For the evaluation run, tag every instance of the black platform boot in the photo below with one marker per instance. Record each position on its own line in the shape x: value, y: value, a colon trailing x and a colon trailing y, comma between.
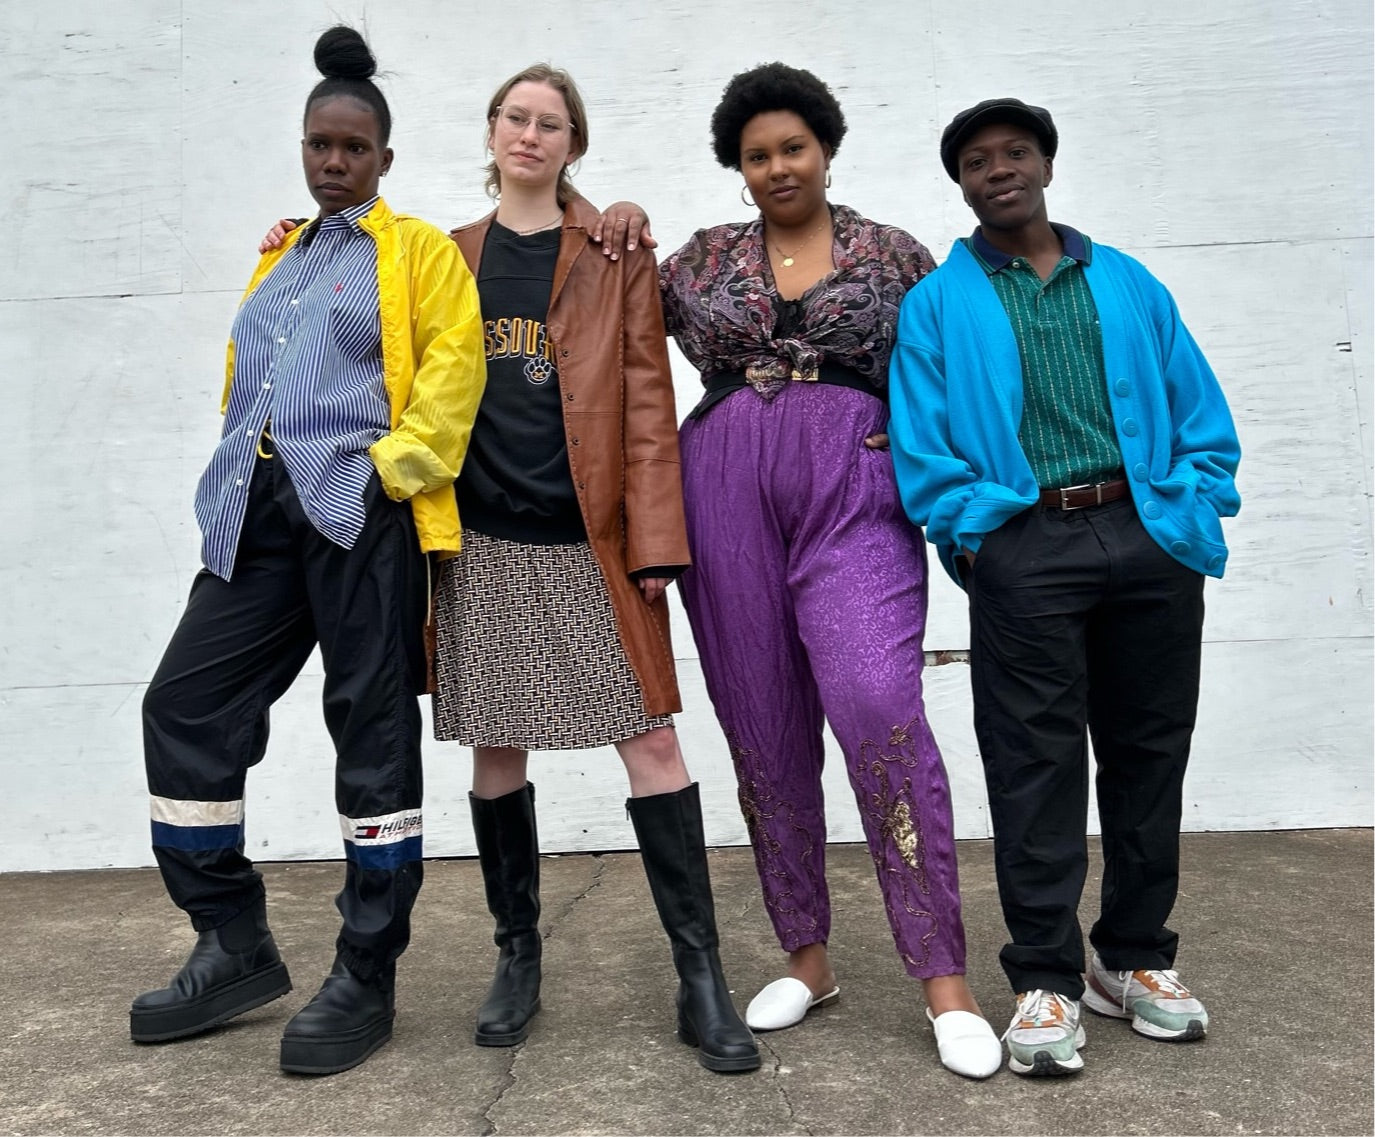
x: 508, y: 851
x: 232, y: 969
x: 673, y: 847
x: 349, y: 1018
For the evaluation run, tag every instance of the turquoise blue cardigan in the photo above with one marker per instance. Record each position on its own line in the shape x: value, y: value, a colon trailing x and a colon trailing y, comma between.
x: 955, y: 381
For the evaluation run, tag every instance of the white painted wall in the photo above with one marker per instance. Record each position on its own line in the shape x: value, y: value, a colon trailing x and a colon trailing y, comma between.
x: 150, y: 142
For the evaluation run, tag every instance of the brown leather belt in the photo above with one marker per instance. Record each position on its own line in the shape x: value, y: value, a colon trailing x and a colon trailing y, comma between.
x: 1081, y: 497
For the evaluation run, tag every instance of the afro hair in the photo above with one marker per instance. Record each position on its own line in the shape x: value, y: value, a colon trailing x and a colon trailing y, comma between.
x: 774, y: 87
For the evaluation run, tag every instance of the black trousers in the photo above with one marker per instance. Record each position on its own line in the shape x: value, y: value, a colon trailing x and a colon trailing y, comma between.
x: 239, y: 646
x: 1078, y: 618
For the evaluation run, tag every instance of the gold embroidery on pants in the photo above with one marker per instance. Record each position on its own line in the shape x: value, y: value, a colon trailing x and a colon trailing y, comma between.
x: 898, y: 822
x: 761, y: 810
x: 892, y: 817
x: 898, y: 825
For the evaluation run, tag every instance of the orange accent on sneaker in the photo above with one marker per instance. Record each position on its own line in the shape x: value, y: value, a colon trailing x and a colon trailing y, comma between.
x: 1043, y: 1012
x: 1162, y: 983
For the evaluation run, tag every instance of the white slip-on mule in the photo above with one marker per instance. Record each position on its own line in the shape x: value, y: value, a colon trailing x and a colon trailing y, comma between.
x: 967, y: 1044
x: 784, y: 1003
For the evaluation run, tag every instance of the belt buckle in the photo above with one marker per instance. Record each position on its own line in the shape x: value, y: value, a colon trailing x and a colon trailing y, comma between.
x: 1065, y: 491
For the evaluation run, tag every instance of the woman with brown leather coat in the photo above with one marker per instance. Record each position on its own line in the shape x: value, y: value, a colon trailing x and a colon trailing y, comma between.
x: 552, y: 621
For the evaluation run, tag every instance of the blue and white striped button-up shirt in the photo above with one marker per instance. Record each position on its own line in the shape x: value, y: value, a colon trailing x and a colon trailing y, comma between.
x: 307, y: 358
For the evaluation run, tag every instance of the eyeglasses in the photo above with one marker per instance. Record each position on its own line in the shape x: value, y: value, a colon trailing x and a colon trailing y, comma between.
x: 518, y: 118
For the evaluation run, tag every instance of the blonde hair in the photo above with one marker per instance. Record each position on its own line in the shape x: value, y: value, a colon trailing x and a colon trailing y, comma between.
x: 562, y: 82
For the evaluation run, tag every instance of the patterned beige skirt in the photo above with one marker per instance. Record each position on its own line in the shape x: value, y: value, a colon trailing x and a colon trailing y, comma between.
x: 527, y: 653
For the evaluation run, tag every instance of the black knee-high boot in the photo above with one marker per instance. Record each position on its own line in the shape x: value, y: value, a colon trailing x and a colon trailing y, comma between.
x: 673, y: 847
x: 508, y: 851
x: 232, y: 969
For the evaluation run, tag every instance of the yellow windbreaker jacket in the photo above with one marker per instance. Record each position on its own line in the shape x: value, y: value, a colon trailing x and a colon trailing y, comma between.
x: 433, y: 365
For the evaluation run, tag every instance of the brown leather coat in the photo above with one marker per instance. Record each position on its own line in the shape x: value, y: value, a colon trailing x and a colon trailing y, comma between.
x: 618, y: 416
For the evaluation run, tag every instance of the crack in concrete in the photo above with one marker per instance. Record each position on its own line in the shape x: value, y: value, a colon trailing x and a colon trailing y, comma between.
x: 778, y: 1084
x: 509, y: 1077
x: 508, y: 1080
x: 563, y: 913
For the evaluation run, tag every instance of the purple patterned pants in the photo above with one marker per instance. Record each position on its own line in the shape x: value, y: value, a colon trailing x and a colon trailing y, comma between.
x: 808, y: 598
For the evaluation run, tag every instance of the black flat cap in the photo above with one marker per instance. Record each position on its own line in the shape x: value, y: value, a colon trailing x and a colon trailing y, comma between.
x: 968, y: 122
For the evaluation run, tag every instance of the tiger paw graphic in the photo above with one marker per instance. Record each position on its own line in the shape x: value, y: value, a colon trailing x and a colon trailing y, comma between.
x: 539, y: 370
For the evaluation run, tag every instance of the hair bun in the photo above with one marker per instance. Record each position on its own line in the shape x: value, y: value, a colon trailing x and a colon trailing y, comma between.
x: 341, y: 53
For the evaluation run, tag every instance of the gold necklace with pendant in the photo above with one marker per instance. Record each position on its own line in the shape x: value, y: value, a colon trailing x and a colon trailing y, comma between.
x: 789, y: 258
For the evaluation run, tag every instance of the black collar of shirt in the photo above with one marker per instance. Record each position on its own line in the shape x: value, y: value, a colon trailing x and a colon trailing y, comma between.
x: 1076, y: 246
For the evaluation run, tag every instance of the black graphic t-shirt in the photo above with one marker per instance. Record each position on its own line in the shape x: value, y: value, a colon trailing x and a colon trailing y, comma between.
x: 516, y: 483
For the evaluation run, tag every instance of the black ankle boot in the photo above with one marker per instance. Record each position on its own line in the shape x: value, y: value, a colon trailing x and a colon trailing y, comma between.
x: 672, y: 845
x: 232, y: 969
x: 348, y: 1019
x: 508, y: 851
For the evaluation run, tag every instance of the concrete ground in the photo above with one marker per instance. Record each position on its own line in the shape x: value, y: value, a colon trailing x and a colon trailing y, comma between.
x: 1275, y: 927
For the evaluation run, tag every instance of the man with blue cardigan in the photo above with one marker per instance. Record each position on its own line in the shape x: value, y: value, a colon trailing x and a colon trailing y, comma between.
x: 1061, y: 437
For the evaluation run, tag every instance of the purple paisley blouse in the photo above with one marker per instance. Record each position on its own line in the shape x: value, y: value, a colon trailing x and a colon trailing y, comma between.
x: 721, y: 303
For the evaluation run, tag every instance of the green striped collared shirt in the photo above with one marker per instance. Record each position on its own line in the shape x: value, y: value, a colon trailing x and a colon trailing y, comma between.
x: 1066, y: 431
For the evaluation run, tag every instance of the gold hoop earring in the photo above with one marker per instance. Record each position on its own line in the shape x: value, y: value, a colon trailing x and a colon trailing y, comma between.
x: 828, y: 177
x: 748, y: 200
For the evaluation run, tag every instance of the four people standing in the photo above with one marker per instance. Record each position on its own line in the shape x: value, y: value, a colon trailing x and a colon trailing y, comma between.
x: 807, y: 591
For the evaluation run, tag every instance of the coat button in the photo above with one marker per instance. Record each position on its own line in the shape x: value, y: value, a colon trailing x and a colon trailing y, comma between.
x: 1140, y: 472
x: 1215, y: 561
x: 1151, y: 509
x: 1129, y: 427
x: 1180, y: 548
x: 1122, y: 387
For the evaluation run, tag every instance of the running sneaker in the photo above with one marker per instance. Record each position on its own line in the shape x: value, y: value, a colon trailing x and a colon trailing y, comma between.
x: 1158, y: 1004
x: 1044, y: 1037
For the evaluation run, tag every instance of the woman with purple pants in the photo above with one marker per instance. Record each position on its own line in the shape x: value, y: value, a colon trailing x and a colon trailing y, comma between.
x: 807, y: 596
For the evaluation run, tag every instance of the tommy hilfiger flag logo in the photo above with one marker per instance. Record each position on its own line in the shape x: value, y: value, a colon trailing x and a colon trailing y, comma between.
x: 383, y: 830
x: 386, y: 843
